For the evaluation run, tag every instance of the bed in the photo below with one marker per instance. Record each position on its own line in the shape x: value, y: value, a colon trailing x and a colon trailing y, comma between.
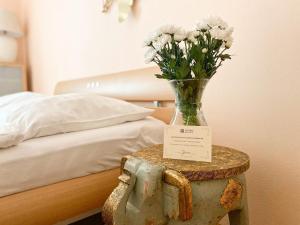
x: 60, y: 200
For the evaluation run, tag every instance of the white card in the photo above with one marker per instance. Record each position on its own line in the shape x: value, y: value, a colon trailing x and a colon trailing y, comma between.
x: 188, y: 143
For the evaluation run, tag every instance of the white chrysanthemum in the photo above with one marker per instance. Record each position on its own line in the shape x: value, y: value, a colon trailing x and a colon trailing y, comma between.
x: 168, y: 29
x: 229, y: 32
x: 161, y: 41
x: 180, y: 35
x: 192, y: 36
x: 202, y: 26
x: 214, y: 21
x: 229, y: 42
x: 193, y: 40
x: 204, y: 50
x: 165, y: 38
x: 151, y: 37
x: 162, y: 31
x: 194, y: 33
x: 157, y: 46
x: 147, y: 42
x: 217, y: 33
x: 150, y: 55
x: 182, y: 46
x: 221, y: 34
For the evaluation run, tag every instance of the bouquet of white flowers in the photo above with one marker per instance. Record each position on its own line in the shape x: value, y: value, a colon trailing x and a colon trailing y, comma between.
x: 192, y: 54
x: 189, y: 59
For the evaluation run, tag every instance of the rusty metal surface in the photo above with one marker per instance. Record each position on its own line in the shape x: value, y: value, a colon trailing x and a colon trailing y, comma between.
x: 176, y: 179
x: 231, y: 195
x: 111, y: 204
x: 226, y: 162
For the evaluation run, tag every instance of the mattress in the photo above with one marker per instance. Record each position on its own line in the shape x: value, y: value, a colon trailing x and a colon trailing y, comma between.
x: 46, y: 160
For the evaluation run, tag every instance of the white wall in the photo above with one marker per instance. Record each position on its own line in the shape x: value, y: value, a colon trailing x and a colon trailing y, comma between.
x: 253, y: 102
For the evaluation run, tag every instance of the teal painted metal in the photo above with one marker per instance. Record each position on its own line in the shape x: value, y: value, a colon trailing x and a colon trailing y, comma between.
x: 144, y: 198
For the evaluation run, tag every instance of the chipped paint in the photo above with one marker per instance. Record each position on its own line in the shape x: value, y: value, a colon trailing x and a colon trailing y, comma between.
x: 231, y: 195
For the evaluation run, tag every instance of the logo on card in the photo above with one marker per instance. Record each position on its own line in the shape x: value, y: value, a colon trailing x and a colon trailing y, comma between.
x: 186, y: 131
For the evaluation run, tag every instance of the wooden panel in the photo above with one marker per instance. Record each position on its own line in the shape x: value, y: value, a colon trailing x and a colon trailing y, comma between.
x: 163, y: 113
x: 133, y: 85
x: 53, y: 203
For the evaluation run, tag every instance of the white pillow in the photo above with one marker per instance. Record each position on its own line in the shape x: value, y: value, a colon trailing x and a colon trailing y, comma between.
x: 8, y: 103
x: 17, y: 98
x: 66, y: 113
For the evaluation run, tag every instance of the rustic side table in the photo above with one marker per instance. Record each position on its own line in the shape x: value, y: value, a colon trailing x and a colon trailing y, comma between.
x: 157, y: 191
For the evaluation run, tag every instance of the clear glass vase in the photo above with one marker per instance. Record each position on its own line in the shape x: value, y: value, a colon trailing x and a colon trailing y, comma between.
x: 188, y: 94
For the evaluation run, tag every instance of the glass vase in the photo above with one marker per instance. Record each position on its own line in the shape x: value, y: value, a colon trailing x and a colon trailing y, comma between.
x: 188, y: 95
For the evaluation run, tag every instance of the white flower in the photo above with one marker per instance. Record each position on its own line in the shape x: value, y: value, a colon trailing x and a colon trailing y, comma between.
x: 165, y: 38
x: 229, y: 42
x: 173, y: 56
x: 202, y: 26
x: 162, y: 31
x: 161, y: 41
x: 193, y: 40
x: 157, y: 45
x: 167, y: 29
x: 192, y: 36
x: 182, y: 46
x: 180, y: 35
x: 217, y: 33
x: 229, y: 32
x: 213, y: 24
x: 221, y: 34
x: 151, y: 37
x: 214, y: 21
x: 204, y: 50
x: 194, y: 33
x: 150, y: 55
x: 147, y: 42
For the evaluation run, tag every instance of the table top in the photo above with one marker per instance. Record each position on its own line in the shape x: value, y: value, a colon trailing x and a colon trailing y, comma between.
x: 226, y: 162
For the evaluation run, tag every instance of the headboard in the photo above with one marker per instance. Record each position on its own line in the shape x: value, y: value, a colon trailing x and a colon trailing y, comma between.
x: 138, y: 86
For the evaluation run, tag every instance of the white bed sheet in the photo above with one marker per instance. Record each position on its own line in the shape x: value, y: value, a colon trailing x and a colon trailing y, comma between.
x: 42, y: 161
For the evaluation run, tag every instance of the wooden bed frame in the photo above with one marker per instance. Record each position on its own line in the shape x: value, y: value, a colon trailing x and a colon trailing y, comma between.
x: 57, y: 202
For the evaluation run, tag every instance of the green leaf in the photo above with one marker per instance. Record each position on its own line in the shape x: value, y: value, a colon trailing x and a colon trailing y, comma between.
x: 199, y: 71
x: 216, y: 44
x: 183, y: 70
x: 225, y: 56
x: 159, y: 76
x: 196, y: 54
